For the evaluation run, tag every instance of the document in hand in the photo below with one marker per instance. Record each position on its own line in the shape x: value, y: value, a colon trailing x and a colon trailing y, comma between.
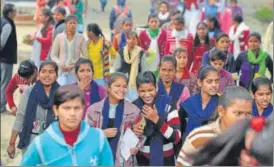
x: 129, y: 141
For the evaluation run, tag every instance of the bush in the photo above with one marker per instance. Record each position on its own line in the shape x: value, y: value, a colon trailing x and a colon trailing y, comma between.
x: 264, y: 14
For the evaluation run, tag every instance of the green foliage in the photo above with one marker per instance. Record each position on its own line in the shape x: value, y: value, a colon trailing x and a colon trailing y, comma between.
x: 264, y: 14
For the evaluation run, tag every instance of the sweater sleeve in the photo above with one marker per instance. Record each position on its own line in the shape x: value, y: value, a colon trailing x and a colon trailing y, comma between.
x: 170, y: 128
x: 167, y: 46
x: 106, y: 158
x: 117, y: 62
x: 55, y: 50
x: 115, y: 43
x: 84, y: 49
x: 231, y: 64
x: 48, y: 37
x: 6, y: 31
x: 183, y: 119
x: 31, y: 156
x: 20, y: 115
x: 112, y: 52
x: 12, y: 86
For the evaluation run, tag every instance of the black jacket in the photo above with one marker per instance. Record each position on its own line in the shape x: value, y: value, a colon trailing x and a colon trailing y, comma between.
x: 9, y: 53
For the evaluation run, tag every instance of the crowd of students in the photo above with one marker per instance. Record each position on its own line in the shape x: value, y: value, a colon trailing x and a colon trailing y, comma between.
x: 182, y: 80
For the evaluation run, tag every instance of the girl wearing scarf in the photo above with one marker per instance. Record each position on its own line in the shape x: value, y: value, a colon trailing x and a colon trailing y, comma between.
x: 163, y: 14
x: 202, y: 44
x: 179, y: 37
x: 234, y: 105
x: 42, y: 38
x: 35, y: 113
x: 254, y: 62
x: 222, y: 43
x: 93, y: 92
x: 161, y: 124
x: 238, y: 35
x: 261, y: 88
x: 217, y: 60
x: 183, y: 75
x: 120, y: 40
x: 166, y: 86
x: 67, y: 48
x: 130, y: 61
x: 198, y: 109
x: 114, y: 115
x: 99, y: 50
x: 153, y: 42
x: 66, y: 142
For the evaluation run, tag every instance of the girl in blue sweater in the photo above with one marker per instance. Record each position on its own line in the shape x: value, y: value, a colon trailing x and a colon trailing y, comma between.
x: 69, y: 141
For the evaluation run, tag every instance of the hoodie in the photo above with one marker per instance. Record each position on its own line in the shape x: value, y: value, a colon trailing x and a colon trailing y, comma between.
x: 51, y: 149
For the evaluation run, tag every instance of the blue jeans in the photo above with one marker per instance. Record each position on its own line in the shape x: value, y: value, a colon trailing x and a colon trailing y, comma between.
x: 103, y: 4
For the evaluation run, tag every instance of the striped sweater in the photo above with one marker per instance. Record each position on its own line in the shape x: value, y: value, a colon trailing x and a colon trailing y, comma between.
x: 196, y: 140
x: 170, y: 130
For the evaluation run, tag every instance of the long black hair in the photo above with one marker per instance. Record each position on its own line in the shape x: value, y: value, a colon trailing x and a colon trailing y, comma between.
x: 215, y: 21
x: 47, y: 13
x: 95, y: 29
x: 197, y: 41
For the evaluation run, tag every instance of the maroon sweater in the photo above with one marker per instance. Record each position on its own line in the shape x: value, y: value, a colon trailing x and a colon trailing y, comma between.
x: 70, y: 137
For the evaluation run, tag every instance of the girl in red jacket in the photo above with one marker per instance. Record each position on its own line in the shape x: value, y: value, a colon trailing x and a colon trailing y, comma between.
x: 152, y: 40
x: 26, y: 76
x: 202, y: 44
x: 43, y: 37
x: 179, y: 37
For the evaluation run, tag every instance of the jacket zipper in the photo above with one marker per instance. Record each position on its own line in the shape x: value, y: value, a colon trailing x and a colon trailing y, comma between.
x: 73, y: 157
